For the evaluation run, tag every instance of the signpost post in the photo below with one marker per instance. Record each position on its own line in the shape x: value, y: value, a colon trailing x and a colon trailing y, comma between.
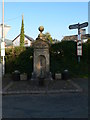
x: 79, y: 42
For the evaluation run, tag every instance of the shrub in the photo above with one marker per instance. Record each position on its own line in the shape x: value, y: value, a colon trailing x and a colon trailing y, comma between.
x: 62, y: 56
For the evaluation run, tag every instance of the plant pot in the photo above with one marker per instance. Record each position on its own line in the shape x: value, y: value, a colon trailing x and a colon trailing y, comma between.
x: 23, y: 76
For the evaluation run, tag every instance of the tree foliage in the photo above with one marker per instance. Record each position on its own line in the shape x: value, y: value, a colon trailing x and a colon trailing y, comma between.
x: 22, y: 34
x: 48, y: 37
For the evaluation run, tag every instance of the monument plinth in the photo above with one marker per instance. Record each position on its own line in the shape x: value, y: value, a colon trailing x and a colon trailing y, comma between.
x: 41, y: 61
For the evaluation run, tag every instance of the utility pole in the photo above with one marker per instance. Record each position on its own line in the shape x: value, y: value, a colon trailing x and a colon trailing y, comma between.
x: 3, y: 35
x: 4, y: 29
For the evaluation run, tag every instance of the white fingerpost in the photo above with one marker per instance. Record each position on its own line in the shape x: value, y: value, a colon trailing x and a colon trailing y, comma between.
x: 79, y: 41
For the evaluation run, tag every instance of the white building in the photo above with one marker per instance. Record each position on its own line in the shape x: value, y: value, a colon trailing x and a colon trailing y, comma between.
x: 83, y: 31
x: 84, y: 38
x: 27, y: 41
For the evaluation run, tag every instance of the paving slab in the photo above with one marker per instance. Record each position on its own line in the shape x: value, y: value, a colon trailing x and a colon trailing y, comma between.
x: 26, y: 87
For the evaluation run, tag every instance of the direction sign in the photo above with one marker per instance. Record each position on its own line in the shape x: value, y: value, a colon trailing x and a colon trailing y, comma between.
x: 78, y: 26
x: 79, y: 52
x: 84, y: 25
x: 75, y: 26
x: 79, y: 48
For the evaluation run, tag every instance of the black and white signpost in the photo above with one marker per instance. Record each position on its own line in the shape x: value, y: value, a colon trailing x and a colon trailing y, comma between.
x: 79, y: 42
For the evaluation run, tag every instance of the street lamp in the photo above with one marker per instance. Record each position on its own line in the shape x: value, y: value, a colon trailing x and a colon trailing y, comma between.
x: 6, y: 29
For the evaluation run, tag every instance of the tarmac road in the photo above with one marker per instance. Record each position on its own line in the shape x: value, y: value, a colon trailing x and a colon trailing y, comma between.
x: 63, y: 105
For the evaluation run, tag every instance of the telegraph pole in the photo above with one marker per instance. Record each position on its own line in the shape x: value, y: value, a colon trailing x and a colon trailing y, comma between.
x: 4, y: 31
x: 3, y: 35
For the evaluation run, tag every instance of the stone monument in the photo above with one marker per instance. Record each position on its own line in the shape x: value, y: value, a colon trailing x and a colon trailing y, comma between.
x: 41, y: 61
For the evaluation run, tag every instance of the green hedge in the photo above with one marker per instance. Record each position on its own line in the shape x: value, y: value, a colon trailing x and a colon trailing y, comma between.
x: 62, y: 56
x: 19, y: 58
x: 67, y: 59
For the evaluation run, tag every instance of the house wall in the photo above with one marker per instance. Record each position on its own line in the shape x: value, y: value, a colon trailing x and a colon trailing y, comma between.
x: 16, y: 42
x: 26, y: 41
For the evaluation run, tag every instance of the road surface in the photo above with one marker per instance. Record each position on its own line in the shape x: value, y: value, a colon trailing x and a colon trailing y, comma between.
x: 63, y: 105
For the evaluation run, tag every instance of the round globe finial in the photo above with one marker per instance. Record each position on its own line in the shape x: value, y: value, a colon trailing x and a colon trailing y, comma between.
x: 41, y: 29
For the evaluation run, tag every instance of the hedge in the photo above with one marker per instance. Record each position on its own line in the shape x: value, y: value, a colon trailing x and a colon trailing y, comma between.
x: 62, y: 56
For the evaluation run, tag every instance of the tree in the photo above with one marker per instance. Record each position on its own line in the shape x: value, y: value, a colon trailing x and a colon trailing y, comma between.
x: 48, y: 37
x: 88, y: 41
x: 22, y: 34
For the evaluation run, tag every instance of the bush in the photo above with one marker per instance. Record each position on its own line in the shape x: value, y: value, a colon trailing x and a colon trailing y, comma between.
x: 62, y: 56
x: 19, y: 59
x: 67, y: 58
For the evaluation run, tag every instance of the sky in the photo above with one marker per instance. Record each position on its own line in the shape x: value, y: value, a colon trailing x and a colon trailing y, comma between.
x: 54, y: 16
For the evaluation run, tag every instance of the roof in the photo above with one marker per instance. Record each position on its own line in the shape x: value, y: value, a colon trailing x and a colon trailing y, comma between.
x: 8, y: 42
x: 29, y: 38
x: 74, y: 37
